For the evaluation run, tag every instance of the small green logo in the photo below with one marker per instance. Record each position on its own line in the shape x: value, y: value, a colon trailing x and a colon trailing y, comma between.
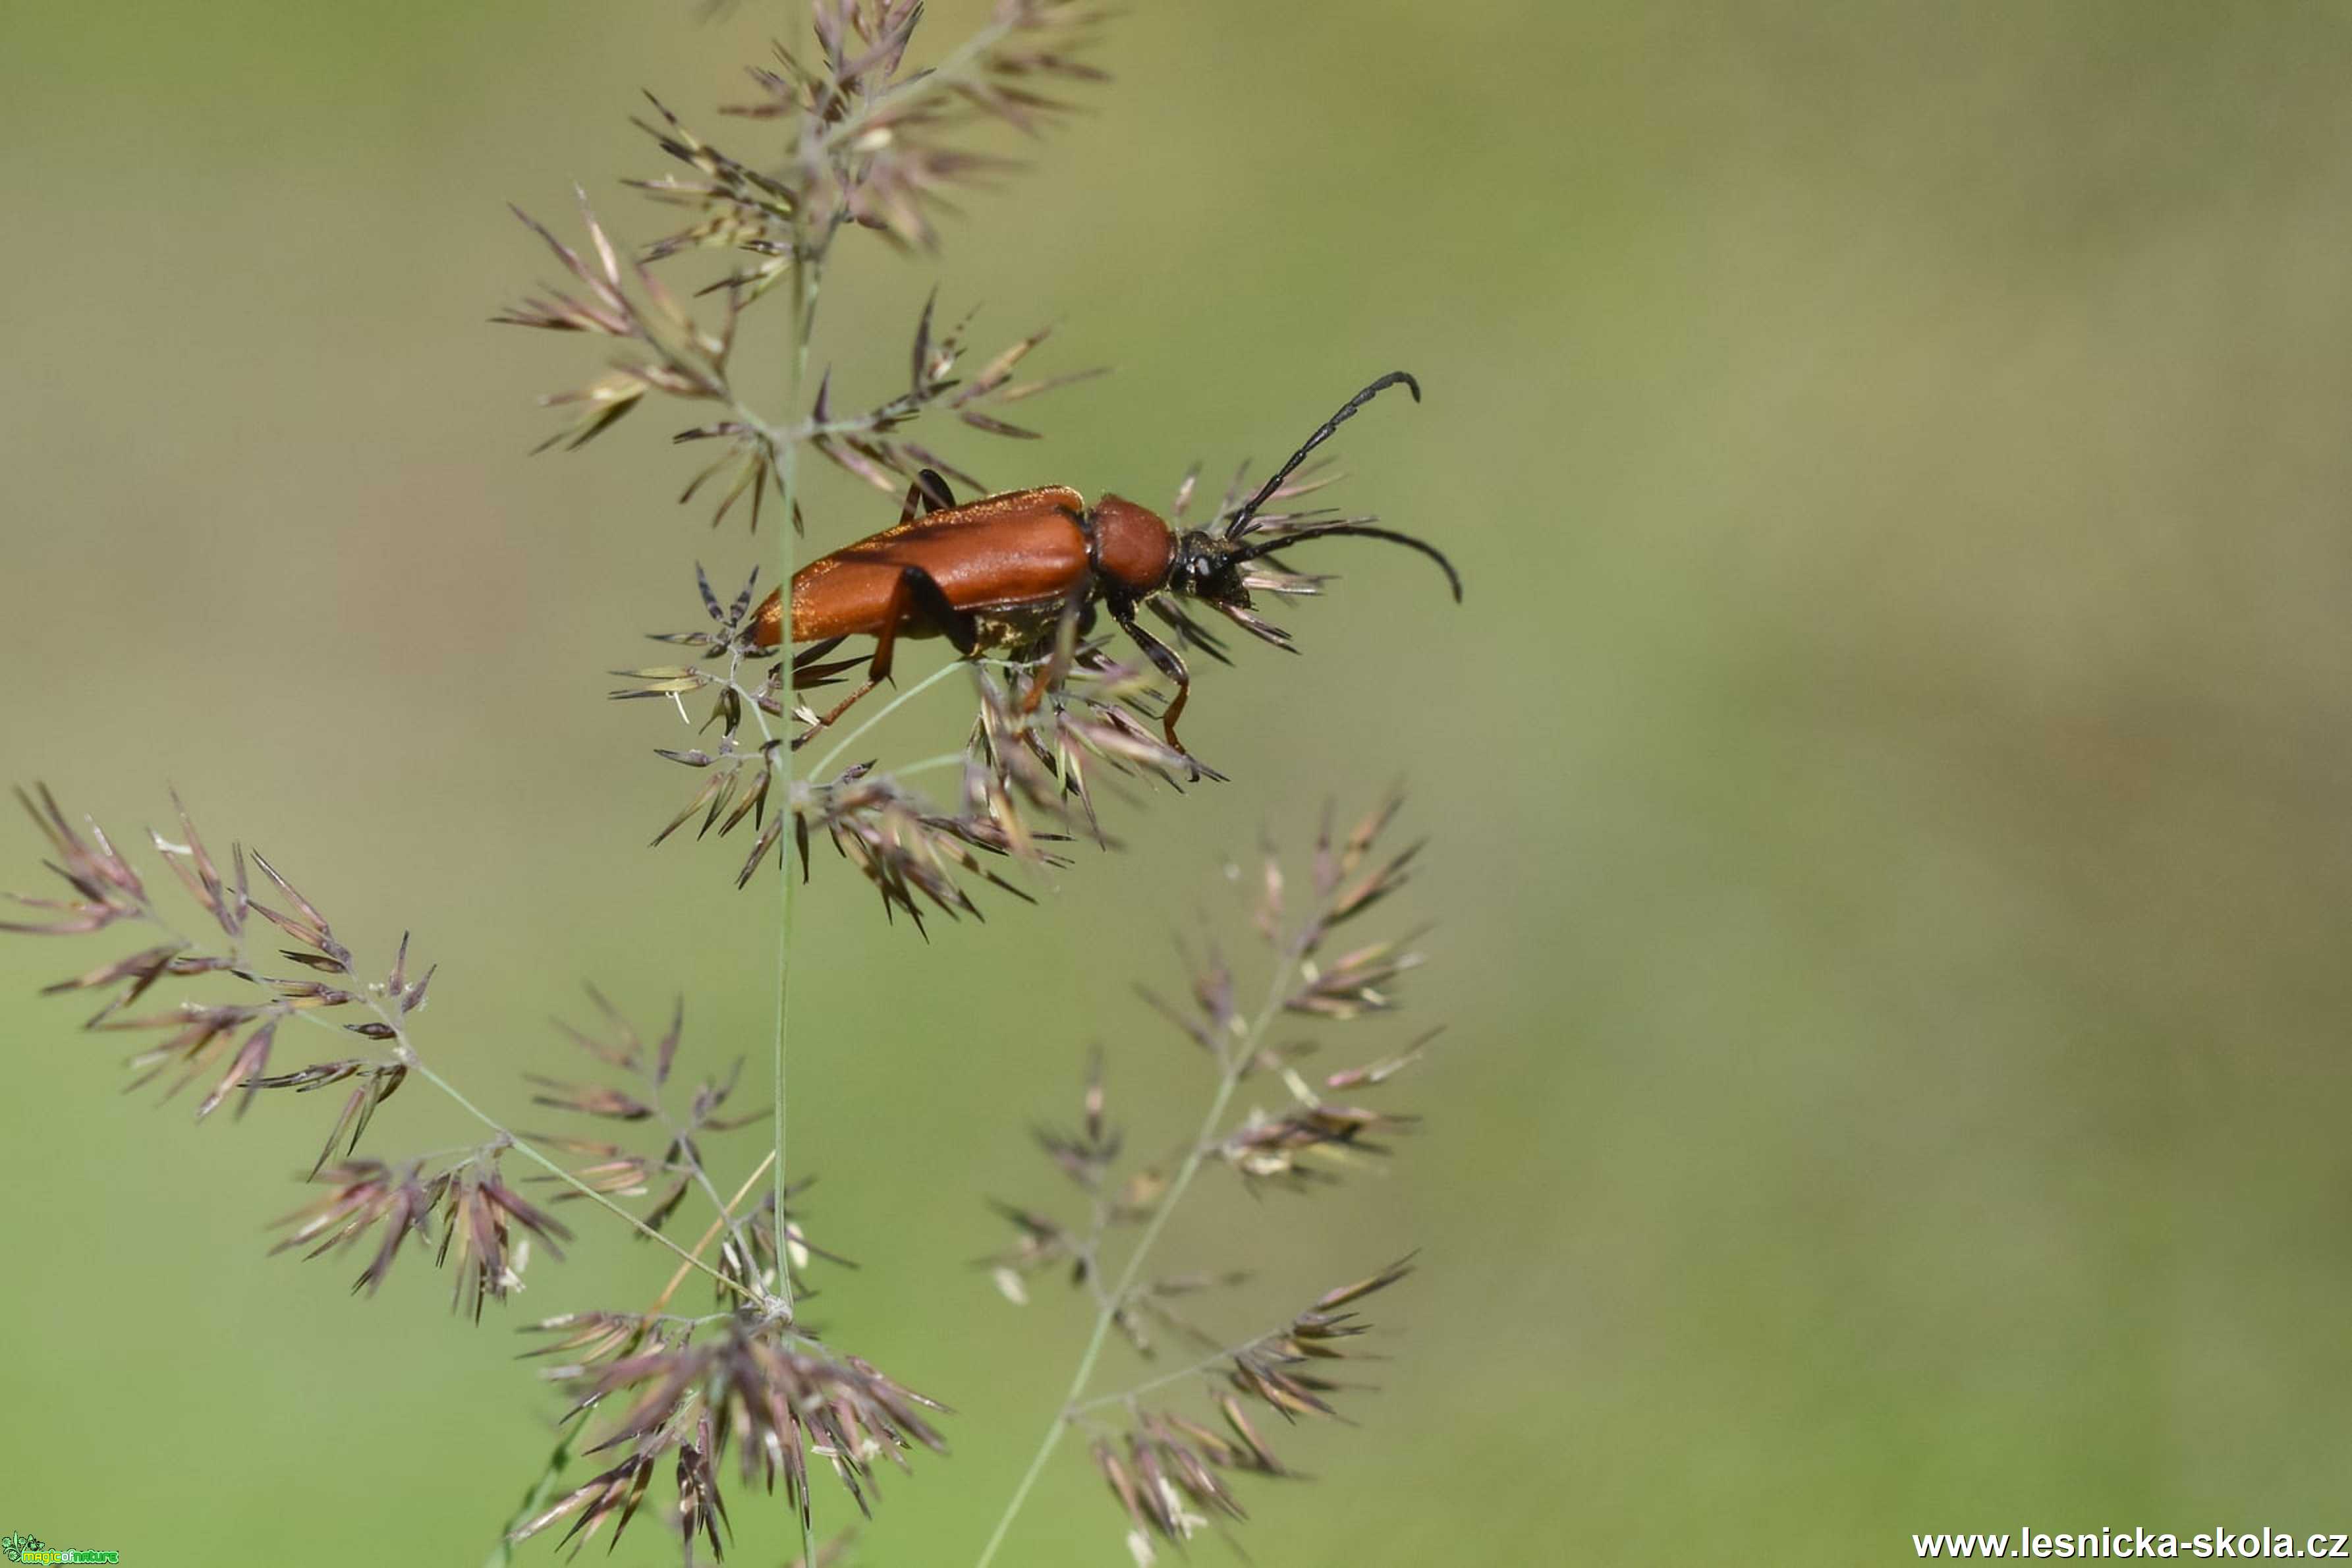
x: 33, y: 1549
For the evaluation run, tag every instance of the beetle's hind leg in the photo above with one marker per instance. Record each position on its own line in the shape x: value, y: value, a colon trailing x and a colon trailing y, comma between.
x: 824, y: 720
x: 928, y: 493
x: 917, y: 599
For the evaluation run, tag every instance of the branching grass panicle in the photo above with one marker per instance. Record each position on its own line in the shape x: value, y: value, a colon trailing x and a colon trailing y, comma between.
x: 241, y: 990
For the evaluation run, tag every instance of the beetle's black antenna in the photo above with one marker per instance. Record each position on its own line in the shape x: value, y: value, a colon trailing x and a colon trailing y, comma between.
x: 1241, y: 521
x: 1251, y: 552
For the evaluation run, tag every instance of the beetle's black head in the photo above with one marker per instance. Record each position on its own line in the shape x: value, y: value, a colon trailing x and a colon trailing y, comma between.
x: 1216, y: 567
x: 1220, y: 570
x: 1208, y: 566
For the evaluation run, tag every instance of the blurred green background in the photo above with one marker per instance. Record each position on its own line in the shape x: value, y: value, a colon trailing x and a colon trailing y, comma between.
x: 1888, y: 781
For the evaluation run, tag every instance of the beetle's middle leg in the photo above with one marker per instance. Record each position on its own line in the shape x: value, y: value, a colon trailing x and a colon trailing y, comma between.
x: 1077, y: 616
x: 1070, y: 626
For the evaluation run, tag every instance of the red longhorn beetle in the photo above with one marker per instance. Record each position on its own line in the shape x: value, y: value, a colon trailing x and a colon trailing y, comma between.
x: 1004, y: 574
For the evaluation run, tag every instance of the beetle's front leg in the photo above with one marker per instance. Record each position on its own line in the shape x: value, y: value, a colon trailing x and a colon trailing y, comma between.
x: 1170, y: 663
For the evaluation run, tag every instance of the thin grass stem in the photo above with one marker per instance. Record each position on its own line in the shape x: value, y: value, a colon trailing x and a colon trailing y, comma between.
x: 807, y: 266
x: 825, y: 764
x: 1233, y: 1065
x: 532, y: 1153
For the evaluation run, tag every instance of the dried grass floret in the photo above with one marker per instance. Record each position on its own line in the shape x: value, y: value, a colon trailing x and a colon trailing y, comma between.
x: 1166, y: 1473
x: 476, y: 1211
x: 231, y: 1042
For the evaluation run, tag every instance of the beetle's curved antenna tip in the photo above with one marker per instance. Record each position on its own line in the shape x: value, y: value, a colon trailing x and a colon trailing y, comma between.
x: 1240, y: 523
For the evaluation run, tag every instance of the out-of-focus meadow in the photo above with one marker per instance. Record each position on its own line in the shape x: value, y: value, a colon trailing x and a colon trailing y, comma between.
x: 1887, y: 782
